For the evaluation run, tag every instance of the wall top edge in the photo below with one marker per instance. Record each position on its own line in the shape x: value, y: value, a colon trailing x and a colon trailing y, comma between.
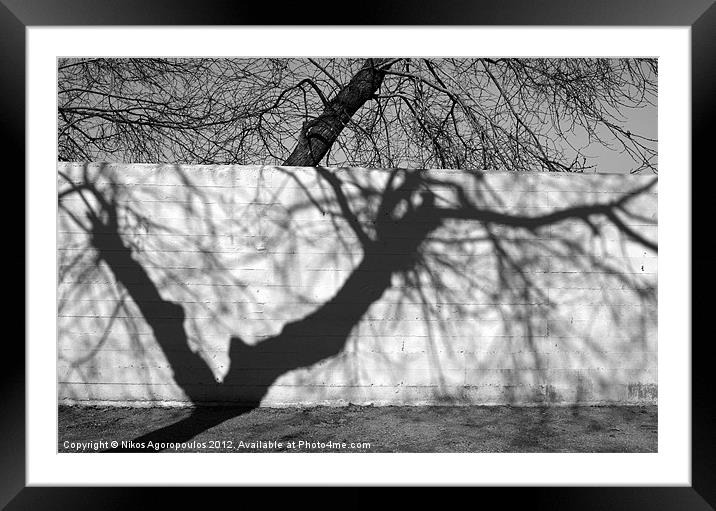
x: 62, y: 164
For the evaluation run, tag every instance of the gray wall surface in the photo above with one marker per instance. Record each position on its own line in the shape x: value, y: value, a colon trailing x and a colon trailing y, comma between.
x: 181, y: 284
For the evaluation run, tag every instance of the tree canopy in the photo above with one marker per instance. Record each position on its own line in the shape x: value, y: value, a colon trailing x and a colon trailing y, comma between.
x: 467, y: 113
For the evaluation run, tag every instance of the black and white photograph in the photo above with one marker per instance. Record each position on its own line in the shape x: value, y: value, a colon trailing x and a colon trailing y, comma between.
x: 357, y: 255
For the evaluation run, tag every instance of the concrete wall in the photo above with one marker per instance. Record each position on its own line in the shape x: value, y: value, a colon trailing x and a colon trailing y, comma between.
x: 493, y: 314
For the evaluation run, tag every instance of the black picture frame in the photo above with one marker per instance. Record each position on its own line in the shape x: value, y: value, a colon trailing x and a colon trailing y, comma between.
x: 699, y: 15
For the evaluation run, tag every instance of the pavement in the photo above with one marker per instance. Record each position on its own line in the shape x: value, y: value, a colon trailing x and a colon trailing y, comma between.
x: 359, y: 429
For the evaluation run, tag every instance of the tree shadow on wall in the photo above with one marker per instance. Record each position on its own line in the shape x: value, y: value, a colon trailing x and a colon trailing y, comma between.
x: 395, y: 222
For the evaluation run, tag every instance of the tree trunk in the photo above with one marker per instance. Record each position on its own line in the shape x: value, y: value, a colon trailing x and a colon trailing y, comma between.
x: 318, y: 135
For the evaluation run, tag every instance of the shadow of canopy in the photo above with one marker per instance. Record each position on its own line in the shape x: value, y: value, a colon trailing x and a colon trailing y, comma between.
x: 287, y: 285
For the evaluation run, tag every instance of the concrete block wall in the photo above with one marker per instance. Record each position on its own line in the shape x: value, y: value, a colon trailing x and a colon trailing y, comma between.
x: 491, y: 315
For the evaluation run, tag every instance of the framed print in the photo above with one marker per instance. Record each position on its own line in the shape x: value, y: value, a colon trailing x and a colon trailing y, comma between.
x: 231, y: 226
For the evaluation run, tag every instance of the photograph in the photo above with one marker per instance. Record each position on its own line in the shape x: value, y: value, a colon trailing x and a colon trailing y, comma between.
x: 357, y: 254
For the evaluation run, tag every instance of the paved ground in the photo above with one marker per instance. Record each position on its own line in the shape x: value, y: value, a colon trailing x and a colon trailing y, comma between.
x: 385, y: 429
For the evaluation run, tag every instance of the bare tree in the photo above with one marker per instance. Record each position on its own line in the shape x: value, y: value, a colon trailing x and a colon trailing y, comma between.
x: 504, y: 114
